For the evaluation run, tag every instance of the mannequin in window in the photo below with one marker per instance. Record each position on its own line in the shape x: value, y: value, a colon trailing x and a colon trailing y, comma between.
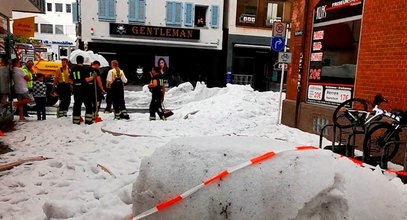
x: 200, y: 22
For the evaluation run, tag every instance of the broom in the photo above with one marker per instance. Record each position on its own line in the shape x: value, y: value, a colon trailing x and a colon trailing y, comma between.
x: 97, y: 118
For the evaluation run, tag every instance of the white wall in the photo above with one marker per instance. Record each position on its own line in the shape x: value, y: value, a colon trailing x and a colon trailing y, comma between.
x: 54, y: 18
x: 210, y: 38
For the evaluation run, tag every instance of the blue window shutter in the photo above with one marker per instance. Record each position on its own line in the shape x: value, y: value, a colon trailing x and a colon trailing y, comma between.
x: 132, y: 10
x: 169, y: 13
x: 111, y: 9
x: 189, y: 18
x: 215, y: 16
x: 141, y: 10
x: 102, y: 9
x: 75, y: 13
x: 177, y: 13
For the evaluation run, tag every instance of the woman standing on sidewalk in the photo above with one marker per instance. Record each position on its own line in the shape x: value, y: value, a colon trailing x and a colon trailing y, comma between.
x: 115, y: 81
x: 20, y: 87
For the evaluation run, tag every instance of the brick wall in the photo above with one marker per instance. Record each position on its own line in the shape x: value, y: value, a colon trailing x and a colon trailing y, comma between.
x: 382, y: 65
x: 296, y: 46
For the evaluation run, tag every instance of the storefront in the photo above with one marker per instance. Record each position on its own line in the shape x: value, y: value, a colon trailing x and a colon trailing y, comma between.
x: 342, y: 50
x: 334, y: 52
x: 250, y: 59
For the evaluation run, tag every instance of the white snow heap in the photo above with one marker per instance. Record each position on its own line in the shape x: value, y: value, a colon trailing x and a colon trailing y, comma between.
x: 292, y: 185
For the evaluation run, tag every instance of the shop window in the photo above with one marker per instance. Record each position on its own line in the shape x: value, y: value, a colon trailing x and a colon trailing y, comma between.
x: 49, y: 6
x: 59, y: 29
x: 200, y: 15
x: 262, y: 13
x: 137, y: 10
x: 333, y: 62
x: 107, y: 9
x: 58, y: 7
x: 173, y: 13
x: 68, y: 8
x: 46, y: 29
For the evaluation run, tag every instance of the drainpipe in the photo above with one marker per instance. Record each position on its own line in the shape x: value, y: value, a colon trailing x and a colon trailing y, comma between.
x: 299, y: 87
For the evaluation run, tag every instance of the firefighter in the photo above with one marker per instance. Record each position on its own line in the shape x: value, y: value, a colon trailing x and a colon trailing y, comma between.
x: 115, y: 81
x: 156, y: 87
x: 80, y: 76
x: 96, y: 88
x: 63, y: 88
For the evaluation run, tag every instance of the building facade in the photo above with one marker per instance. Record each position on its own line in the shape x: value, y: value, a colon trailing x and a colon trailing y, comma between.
x: 187, y: 35
x: 55, y: 28
x: 248, y: 25
x: 347, y: 49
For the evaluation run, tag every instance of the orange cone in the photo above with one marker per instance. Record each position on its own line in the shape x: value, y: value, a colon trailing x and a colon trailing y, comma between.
x: 2, y: 133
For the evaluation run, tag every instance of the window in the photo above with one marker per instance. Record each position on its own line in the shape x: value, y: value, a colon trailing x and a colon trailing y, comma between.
x: 107, y: 9
x: 274, y: 12
x: 68, y: 8
x: 75, y: 13
x: 262, y: 13
x: 35, y: 27
x: 59, y: 29
x: 58, y: 7
x: 137, y: 10
x: 173, y: 13
x: 49, y: 6
x: 200, y: 16
x: 46, y: 28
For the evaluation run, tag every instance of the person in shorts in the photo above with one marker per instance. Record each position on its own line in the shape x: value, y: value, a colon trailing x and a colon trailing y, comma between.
x: 20, y: 87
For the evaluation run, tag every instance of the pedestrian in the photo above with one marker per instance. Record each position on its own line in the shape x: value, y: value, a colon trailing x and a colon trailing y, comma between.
x: 115, y: 81
x: 156, y: 87
x: 40, y: 95
x: 98, y: 89
x: 80, y: 77
x: 63, y: 86
x: 29, y: 71
x: 20, y: 87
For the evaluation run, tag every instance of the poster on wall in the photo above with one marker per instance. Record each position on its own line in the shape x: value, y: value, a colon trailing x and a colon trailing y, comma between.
x: 334, y: 50
x: 163, y: 63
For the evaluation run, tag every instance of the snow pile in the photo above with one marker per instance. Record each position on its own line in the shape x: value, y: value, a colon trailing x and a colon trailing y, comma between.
x: 311, y: 184
x: 70, y: 185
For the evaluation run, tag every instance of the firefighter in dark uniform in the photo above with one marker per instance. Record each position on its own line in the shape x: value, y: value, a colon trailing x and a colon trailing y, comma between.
x: 63, y: 88
x: 96, y: 89
x: 115, y: 81
x: 80, y: 78
x: 156, y: 87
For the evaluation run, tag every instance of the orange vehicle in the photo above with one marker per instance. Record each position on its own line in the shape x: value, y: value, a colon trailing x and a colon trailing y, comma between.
x: 47, y: 68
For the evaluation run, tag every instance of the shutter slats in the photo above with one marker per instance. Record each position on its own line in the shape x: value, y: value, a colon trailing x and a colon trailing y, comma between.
x: 188, y: 21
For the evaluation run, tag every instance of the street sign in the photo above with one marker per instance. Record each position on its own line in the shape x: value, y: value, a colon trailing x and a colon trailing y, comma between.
x: 277, y: 43
x: 284, y: 57
x: 279, y: 29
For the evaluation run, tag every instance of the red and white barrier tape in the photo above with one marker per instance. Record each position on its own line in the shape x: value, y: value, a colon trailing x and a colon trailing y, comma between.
x: 224, y: 173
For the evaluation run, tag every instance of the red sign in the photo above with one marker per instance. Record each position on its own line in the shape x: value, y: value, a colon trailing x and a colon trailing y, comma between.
x: 316, y: 56
x: 317, y: 46
x: 318, y: 35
